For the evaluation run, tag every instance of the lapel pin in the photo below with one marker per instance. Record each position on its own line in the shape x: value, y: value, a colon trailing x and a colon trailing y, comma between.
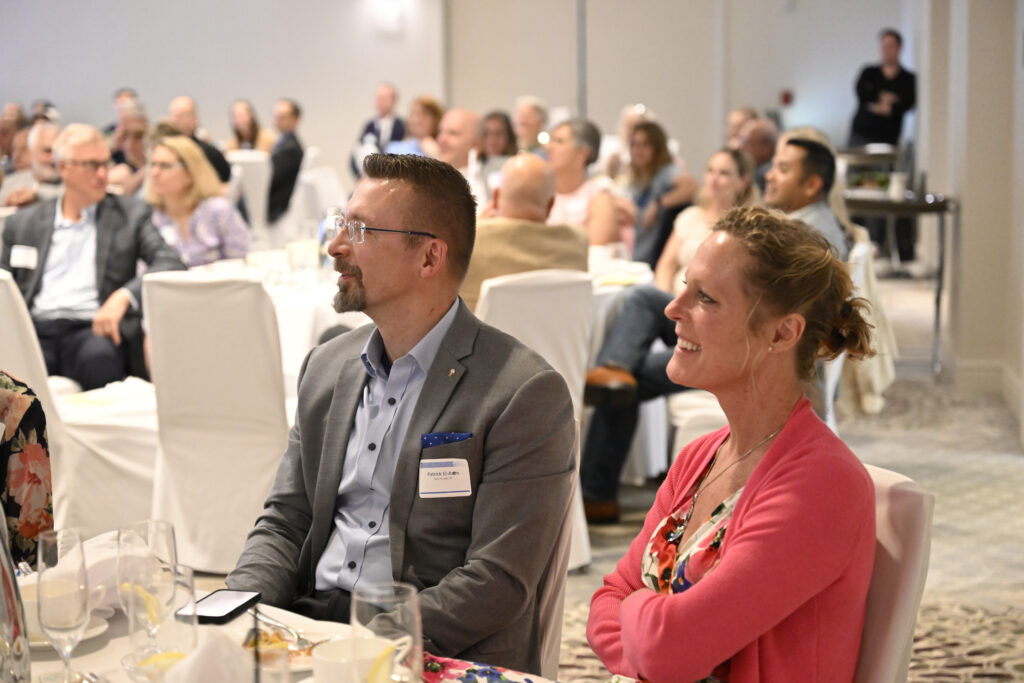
x: 451, y: 373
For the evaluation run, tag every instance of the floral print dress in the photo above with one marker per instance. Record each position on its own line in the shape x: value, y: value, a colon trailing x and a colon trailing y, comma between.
x: 667, y: 567
x: 27, y: 492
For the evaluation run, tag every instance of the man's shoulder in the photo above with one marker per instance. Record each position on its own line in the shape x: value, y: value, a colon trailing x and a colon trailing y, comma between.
x: 32, y: 216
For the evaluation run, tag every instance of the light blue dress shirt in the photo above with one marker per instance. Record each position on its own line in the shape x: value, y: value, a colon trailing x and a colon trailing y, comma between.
x: 68, y: 288
x: 358, y: 549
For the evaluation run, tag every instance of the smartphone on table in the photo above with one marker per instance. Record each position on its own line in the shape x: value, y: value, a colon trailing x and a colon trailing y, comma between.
x: 223, y: 605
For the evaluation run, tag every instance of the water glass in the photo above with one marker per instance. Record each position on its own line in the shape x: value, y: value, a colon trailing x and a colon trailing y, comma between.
x: 63, y: 593
x: 388, y: 611
x: 162, y: 633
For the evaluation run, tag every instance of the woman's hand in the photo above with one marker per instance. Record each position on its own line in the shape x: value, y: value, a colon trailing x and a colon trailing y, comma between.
x: 650, y: 213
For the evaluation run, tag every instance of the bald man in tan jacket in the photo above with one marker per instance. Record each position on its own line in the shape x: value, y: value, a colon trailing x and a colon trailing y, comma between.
x: 518, y: 240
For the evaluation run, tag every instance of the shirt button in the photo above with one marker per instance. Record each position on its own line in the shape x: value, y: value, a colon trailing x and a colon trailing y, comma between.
x: 372, y: 446
x: 372, y: 525
x: 391, y: 401
x: 352, y: 564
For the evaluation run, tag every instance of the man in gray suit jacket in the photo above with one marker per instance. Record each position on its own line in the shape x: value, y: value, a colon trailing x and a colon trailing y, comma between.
x: 75, y: 259
x: 429, y: 448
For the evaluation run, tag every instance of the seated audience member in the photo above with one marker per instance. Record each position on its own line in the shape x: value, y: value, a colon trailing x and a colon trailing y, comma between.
x: 518, y: 239
x: 529, y: 119
x: 628, y: 370
x: 799, y: 182
x: 379, y: 131
x: 615, y: 161
x: 122, y: 97
x: 658, y: 188
x: 285, y: 158
x: 836, y: 196
x: 757, y: 138
x: 426, y: 381
x: 20, y: 160
x: 12, y: 119
x: 425, y: 114
x: 579, y: 200
x: 246, y: 132
x: 185, y: 117
x: 41, y: 180
x: 754, y: 561
x: 75, y: 259
x: 458, y: 143
x: 734, y: 123
x: 189, y: 209
x: 497, y: 144
x: 26, y: 489
x: 128, y: 148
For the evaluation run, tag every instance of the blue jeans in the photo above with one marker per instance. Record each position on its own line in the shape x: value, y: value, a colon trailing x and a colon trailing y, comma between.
x: 628, y: 346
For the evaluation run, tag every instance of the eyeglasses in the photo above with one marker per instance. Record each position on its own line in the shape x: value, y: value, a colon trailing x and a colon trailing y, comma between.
x: 92, y: 165
x: 357, y: 229
x: 165, y: 165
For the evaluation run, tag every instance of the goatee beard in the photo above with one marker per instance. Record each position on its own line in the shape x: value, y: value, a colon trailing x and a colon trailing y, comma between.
x: 351, y: 296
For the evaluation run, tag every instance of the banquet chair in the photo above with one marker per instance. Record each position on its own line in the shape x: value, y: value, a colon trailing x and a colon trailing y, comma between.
x: 551, y: 312
x: 551, y: 589
x: 216, y: 364
x: 832, y: 370
x: 100, y: 440
x: 254, y: 169
x: 903, y: 529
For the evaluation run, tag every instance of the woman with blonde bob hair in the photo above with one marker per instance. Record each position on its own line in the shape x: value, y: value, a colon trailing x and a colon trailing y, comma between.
x: 754, y: 562
x: 188, y: 206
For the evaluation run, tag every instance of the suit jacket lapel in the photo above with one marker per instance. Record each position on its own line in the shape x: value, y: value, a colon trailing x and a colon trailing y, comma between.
x: 347, y: 391
x: 434, y: 396
x: 43, y: 238
x: 106, y: 225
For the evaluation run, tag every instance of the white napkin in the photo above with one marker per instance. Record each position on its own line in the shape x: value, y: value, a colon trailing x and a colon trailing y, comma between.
x: 217, y: 657
x: 101, y: 570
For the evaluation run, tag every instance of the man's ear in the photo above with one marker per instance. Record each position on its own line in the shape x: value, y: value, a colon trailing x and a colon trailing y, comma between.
x: 812, y: 185
x: 496, y: 197
x: 787, y: 331
x: 435, y: 257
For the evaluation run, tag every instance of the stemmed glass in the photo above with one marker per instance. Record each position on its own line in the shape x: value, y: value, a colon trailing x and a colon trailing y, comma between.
x: 63, y: 593
x: 146, y: 556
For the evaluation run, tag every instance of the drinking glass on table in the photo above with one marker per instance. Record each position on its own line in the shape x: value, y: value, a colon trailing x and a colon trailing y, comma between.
x: 63, y: 594
x: 169, y: 626
x: 146, y: 555
x: 386, y: 627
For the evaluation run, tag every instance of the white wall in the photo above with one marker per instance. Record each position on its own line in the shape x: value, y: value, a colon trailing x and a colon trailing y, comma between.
x: 815, y: 50
x: 1015, y: 296
x: 326, y: 54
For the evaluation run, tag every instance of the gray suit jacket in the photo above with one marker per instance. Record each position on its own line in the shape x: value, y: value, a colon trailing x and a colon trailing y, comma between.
x: 124, y: 235
x: 477, y: 560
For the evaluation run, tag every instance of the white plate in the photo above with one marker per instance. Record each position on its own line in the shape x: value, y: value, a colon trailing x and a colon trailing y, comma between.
x: 97, y: 626
x: 311, y: 628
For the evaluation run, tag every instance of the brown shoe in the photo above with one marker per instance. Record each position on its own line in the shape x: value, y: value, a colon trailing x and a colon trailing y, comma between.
x: 601, y: 512
x: 609, y: 386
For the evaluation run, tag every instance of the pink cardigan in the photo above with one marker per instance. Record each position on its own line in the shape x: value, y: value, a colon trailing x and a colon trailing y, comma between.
x: 786, y: 601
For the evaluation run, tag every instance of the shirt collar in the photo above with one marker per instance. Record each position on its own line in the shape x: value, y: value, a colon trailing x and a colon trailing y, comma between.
x: 806, y: 210
x: 423, y: 353
x: 88, y: 215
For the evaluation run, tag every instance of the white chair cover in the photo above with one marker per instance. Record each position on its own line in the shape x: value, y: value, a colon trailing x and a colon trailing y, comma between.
x: 100, y: 441
x: 216, y: 363
x: 254, y: 168
x: 693, y: 413
x: 903, y: 522
x: 551, y: 312
x: 551, y: 590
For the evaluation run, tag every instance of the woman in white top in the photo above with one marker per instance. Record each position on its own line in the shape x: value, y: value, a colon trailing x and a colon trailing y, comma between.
x: 573, y: 146
x: 728, y: 182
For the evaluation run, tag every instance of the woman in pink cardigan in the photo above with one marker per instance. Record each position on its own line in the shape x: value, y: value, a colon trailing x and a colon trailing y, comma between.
x: 754, y: 563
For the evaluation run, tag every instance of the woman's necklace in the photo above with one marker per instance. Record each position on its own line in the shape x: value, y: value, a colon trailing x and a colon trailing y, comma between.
x: 680, y: 529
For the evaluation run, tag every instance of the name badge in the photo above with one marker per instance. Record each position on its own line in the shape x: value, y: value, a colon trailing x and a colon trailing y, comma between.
x: 441, y: 478
x: 23, y: 256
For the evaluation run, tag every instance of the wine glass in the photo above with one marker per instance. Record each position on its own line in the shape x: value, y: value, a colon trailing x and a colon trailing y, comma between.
x: 63, y: 593
x: 146, y: 556
x: 386, y: 630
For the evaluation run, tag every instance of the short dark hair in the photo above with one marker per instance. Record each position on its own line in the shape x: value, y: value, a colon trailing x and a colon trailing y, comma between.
x: 818, y: 161
x: 442, y: 201
x: 296, y: 109
x: 891, y: 32
x: 126, y: 91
